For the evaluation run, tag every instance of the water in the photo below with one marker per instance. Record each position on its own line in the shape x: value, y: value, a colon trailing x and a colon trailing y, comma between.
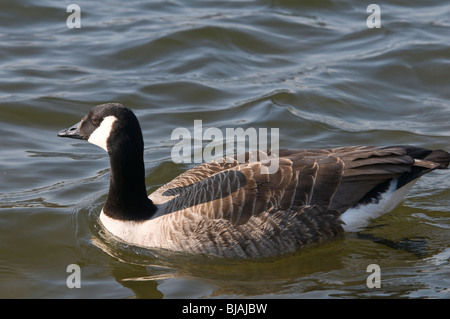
x: 313, y: 69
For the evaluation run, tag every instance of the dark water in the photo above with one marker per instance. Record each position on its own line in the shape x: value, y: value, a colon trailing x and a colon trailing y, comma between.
x: 313, y: 69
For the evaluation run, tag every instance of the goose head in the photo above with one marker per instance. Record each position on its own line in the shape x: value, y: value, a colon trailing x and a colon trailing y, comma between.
x: 106, y: 126
x: 116, y: 129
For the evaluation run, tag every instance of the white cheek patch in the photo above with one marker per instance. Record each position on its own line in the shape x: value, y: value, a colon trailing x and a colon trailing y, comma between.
x: 100, y: 136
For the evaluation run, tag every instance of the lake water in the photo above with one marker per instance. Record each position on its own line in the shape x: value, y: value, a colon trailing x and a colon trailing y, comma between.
x: 313, y: 69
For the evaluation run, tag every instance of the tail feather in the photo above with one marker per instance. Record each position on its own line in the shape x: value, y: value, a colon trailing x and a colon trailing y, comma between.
x: 439, y: 157
x: 424, y: 161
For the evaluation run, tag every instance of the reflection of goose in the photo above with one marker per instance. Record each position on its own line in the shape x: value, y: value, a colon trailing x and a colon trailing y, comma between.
x: 232, y: 209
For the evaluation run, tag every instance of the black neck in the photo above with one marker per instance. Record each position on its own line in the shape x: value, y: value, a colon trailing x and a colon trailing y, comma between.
x: 127, y: 196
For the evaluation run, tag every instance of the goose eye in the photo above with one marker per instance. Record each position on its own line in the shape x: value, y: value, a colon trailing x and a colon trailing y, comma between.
x: 95, y: 120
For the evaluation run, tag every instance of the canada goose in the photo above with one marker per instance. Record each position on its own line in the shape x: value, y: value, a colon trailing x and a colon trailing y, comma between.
x: 232, y: 209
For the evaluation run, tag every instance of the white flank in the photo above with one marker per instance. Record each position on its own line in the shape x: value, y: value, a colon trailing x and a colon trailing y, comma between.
x: 137, y: 233
x: 356, y: 218
x: 159, y: 232
x: 100, y: 136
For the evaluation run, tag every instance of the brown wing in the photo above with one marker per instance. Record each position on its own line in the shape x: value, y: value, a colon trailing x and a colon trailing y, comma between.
x: 333, y: 180
x: 235, y: 192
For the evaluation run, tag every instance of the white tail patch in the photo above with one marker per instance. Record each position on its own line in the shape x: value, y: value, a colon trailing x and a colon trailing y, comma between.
x: 358, y: 217
x: 100, y: 136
